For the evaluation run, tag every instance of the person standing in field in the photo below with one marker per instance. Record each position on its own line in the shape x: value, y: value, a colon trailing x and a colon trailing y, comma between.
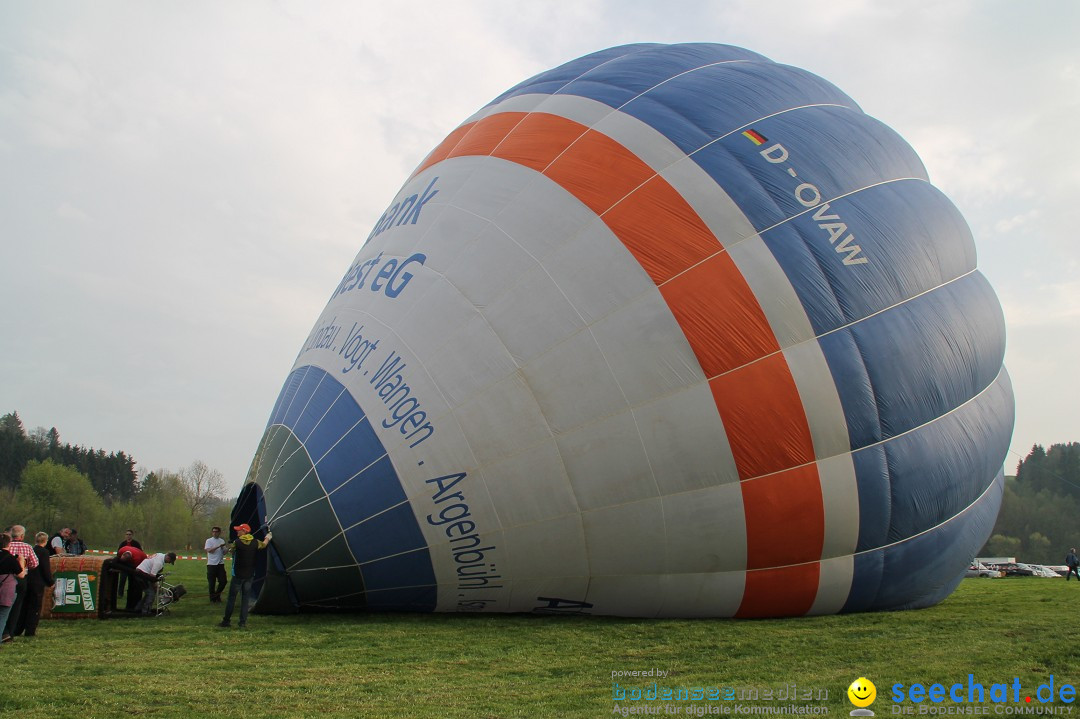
x: 215, y: 564
x: 20, y: 549
x: 59, y: 541
x: 37, y: 581
x: 74, y: 544
x: 12, y: 568
x: 129, y: 541
x: 1072, y: 562
x: 245, y: 554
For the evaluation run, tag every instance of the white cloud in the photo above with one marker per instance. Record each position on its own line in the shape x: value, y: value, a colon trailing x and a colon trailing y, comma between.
x: 1054, y: 305
x: 1007, y: 225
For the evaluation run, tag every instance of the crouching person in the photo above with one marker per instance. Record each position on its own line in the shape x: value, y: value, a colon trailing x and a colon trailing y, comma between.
x: 128, y: 559
x: 148, y: 573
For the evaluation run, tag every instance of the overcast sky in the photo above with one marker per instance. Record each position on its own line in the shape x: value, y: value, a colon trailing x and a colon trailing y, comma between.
x: 183, y: 184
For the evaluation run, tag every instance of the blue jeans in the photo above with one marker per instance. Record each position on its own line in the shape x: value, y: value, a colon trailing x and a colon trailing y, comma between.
x: 244, y: 587
x: 146, y: 605
x: 4, y: 612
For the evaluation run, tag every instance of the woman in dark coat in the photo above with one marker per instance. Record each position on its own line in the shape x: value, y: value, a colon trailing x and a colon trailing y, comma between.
x: 36, y: 581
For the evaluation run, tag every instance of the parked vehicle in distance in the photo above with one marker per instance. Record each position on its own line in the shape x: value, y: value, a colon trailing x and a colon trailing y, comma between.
x: 1021, y: 569
x: 1038, y: 570
x: 978, y: 569
x: 1016, y: 569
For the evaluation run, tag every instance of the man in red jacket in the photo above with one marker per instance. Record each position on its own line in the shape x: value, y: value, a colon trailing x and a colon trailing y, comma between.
x: 125, y: 563
x: 129, y: 541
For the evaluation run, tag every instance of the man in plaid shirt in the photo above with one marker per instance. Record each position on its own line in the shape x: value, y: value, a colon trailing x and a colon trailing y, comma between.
x: 20, y: 549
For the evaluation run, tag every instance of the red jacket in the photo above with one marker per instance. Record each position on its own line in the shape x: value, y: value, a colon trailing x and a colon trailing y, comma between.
x: 137, y: 555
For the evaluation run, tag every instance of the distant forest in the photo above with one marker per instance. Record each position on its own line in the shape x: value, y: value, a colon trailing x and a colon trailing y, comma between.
x: 1038, y: 520
x: 112, y: 475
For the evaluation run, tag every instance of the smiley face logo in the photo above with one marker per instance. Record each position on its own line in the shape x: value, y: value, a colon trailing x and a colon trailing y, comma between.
x: 862, y: 692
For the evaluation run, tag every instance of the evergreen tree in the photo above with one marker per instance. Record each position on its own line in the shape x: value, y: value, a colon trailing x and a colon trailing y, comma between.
x: 16, y: 450
x: 1037, y: 519
x: 11, y: 424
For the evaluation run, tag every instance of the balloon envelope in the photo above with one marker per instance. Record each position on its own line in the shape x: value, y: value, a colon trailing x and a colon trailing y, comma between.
x: 668, y: 330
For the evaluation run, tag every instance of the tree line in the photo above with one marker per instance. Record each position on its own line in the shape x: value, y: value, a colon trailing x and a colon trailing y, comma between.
x: 112, y: 475
x: 46, y: 485
x: 1037, y: 523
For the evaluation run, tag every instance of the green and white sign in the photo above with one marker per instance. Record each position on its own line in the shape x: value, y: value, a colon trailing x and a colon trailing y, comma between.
x: 75, y: 591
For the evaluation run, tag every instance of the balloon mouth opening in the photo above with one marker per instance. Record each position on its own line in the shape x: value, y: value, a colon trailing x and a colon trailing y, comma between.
x: 250, y: 509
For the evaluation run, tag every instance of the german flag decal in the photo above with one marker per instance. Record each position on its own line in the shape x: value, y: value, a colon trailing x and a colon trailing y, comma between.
x: 755, y: 137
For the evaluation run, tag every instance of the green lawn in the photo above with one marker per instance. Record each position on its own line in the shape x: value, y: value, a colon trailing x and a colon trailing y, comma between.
x: 398, y: 665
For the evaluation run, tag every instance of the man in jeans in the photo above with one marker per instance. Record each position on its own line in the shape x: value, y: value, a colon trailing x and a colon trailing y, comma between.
x: 149, y: 573
x: 215, y: 564
x: 245, y: 554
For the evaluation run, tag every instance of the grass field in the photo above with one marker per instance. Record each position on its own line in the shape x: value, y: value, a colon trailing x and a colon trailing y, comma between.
x: 398, y: 665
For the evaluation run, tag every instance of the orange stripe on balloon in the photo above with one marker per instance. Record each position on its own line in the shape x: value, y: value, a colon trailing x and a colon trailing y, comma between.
x: 444, y: 149
x: 780, y: 591
x: 537, y: 141
x: 720, y: 316
x: 763, y: 418
x: 751, y: 383
x: 783, y: 518
x: 483, y: 137
x: 656, y: 210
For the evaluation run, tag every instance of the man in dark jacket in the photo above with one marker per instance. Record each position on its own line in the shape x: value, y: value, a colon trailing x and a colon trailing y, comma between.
x: 129, y: 541
x: 245, y: 555
x: 1072, y: 562
x: 75, y: 545
x: 58, y: 542
x: 37, y: 581
x: 126, y: 561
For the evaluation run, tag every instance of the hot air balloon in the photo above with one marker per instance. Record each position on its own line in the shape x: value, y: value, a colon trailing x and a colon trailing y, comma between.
x: 666, y: 331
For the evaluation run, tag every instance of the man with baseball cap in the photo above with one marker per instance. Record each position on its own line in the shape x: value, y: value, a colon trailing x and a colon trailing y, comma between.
x: 245, y: 556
